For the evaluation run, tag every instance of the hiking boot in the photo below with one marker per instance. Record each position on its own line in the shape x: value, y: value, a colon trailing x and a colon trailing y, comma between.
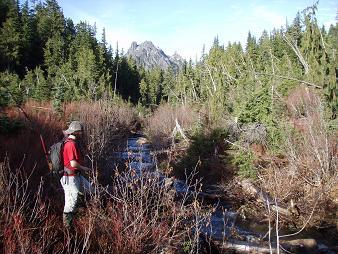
x: 68, y: 220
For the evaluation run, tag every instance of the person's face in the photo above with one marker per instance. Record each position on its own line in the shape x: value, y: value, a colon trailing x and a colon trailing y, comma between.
x: 78, y: 134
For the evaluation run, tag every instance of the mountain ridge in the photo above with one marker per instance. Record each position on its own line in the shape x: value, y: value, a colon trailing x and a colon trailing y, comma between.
x: 149, y: 56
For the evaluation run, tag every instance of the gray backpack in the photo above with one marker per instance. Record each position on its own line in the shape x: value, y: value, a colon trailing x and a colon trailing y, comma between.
x: 55, y: 155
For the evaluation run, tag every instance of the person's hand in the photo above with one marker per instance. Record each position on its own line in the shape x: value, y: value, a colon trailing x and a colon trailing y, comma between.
x: 86, y: 169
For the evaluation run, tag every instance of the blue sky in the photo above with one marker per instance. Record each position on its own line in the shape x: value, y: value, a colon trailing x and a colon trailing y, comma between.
x: 184, y: 26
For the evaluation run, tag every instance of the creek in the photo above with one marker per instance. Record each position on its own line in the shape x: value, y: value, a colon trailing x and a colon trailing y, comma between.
x: 221, y: 224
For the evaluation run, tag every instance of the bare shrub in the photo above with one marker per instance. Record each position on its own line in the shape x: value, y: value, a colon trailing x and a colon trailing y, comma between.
x: 140, y: 216
x: 27, y: 226
x: 161, y: 123
x: 311, y: 174
x: 104, y: 121
x: 214, y: 118
x: 106, y: 124
x: 302, y: 101
x: 24, y: 148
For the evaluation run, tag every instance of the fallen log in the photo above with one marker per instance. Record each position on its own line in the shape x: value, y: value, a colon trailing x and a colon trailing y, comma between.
x: 260, y: 195
x: 245, y: 247
x: 300, y: 245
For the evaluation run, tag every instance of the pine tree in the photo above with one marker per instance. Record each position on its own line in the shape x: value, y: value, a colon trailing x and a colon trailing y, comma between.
x: 83, y: 58
x: 265, y: 56
x: 87, y: 71
x: 251, y: 48
x: 50, y: 20
x: 295, y: 30
x: 36, y: 85
x: 168, y: 85
x: 54, y: 54
x: 331, y: 81
x: 11, y: 90
x: 313, y: 48
x: 144, y: 92
x: 4, y: 9
x: 129, y: 79
x: 10, y: 39
x: 62, y: 89
x: 26, y: 36
x: 69, y: 36
x: 105, y: 65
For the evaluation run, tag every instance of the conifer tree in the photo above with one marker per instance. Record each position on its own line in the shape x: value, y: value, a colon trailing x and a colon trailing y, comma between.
x: 4, y: 8
x: 54, y: 53
x: 36, y: 85
x: 331, y: 81
x: 265, y: 55
x: 27, y: 35
x: 69, y: 36
x: 168, y: 85
x: 10, y: 39
x: 251, y: 48
x: 129, y: 78
x: 11, y: 90
x: 295, y: 30
x: 50, y: 20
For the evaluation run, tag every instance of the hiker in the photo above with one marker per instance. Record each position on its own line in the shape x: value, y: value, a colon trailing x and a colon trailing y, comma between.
x: 73, y: 183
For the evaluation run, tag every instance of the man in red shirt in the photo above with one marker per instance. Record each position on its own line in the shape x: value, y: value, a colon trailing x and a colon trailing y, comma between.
x: 73, y: 183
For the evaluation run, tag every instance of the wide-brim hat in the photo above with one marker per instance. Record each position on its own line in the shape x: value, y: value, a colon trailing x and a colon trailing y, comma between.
x: 73, y: 127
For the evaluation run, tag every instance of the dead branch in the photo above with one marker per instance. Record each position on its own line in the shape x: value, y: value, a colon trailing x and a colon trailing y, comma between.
x: 296, y: 233
x: 297, y: 52
x: 289, y: 78
x: 179, y: 130
x: 212, y: 80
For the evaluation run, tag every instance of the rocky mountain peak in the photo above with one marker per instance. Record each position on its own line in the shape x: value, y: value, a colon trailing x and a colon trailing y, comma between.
x: 177, y: 58
x: 133, y: 45
x: 149, y: 56
x: 148, y: 44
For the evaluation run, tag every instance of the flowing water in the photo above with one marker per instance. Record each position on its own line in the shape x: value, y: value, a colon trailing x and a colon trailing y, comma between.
x: 220, y: 224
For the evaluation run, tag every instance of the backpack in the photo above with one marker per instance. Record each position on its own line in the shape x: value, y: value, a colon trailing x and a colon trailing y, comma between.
x: 55, y: 155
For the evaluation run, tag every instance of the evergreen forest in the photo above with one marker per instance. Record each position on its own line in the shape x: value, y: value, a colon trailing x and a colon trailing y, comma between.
x: 45, y: 56
x: 261, y: 114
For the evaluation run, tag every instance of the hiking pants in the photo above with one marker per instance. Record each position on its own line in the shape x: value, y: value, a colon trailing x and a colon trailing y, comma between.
x: 72, y: 187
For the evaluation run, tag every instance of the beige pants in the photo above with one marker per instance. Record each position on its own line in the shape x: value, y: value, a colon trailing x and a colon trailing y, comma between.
x: 72, y: 187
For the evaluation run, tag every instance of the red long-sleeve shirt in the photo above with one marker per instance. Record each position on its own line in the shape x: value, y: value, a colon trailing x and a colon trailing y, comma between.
x: 71, y: 152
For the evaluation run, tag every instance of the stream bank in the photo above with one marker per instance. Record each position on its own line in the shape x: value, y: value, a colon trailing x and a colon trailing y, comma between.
x: 225, y: 227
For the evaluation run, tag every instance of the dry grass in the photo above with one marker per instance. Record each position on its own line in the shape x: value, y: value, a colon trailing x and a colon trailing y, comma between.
x: 161, y: 123
x: 138, y: 216
x: 104, y: 122
x: 27, y: 224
